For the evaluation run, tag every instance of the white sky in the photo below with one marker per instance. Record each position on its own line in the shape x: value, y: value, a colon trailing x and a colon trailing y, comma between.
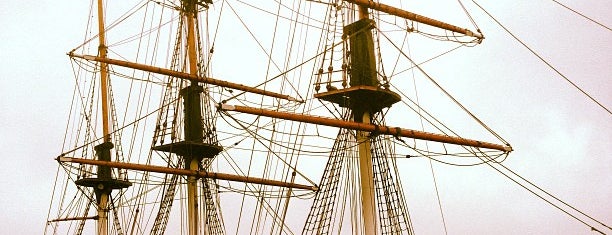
x: 562, y: 140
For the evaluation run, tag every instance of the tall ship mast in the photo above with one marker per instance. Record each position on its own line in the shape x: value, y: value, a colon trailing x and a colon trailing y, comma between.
x: 235, y: 117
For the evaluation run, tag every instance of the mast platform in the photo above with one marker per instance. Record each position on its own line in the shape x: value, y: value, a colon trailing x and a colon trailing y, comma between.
x: 372, y: 97
x: 104, y: 183
x: 191, y: 149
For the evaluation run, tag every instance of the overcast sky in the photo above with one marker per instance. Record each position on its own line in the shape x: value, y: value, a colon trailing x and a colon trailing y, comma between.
x: 562, y: 140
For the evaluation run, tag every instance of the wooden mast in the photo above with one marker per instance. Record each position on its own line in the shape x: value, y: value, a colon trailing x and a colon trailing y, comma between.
x: 366, y: 179
x: 102, y: 199
x: 362, y: 114
x: 192, y: 101
x: 102, y: 51
x: 104, y: 183
x: 361, y: 119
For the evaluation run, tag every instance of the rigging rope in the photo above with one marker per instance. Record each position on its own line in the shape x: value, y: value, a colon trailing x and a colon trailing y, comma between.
x: 543, y: 60
x: 119, y: 129
x: 469, y: 16
x: 445, y: 92
x: 547, y: 193
x: 259, y: 44
x: 259, y: 138
x: 433, y: 175
x: 583, y: 16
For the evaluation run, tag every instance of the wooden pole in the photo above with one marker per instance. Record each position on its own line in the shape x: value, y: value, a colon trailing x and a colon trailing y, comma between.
x: 74, y: 218
x: 415, y: 17
x: 183, y: 75
x: 199, y: 174
x: 366, y: 169
x: 192, y: 162
x: 366, y: 179
x: 102, y: 51
x: 386, y: 130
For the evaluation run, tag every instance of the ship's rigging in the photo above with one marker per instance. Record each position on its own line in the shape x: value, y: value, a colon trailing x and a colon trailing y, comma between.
x: 197, y: 131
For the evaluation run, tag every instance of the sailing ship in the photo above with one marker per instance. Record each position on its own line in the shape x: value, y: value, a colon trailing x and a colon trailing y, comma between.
x: 213, y: 117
